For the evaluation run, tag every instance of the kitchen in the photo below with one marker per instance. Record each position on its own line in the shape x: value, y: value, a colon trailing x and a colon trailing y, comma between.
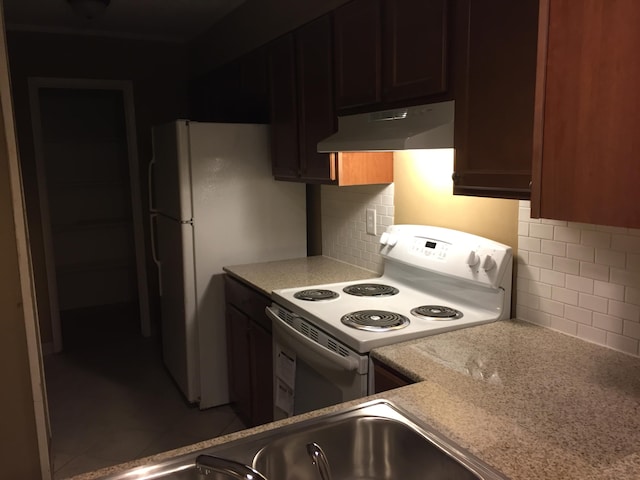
x: 541, y: 303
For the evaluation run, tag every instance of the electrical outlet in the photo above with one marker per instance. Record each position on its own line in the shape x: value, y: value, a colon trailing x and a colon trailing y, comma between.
x: 371, y: 221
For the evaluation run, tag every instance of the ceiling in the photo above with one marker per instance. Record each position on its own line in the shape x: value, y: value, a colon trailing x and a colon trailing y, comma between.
x: 166, y: 20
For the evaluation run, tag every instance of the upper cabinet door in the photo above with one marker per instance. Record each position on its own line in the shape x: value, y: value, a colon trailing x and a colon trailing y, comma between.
x: 495, y: 69
x: 414, y: 48
x: 316, y: 116
x: 284, y: 108
x: 587, y: 113
x: 357, y: 60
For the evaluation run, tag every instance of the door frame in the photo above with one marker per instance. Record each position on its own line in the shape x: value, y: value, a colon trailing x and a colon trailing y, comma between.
x: 35, y: 84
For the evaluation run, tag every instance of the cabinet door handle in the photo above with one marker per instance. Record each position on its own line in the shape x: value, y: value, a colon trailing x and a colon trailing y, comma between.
x: 456, y: 177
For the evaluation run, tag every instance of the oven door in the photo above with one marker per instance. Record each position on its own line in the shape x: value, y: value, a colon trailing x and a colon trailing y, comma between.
x: 307, y: 374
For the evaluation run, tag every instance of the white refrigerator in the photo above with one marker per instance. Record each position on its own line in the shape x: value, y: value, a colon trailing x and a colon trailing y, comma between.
x: 214, y: 203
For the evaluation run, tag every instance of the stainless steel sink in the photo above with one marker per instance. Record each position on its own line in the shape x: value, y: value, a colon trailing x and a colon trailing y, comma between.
x: 374, y: 440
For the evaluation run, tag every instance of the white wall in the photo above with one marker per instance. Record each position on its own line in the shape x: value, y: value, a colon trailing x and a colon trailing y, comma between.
x: 344, y: 235
x: 582, y: 280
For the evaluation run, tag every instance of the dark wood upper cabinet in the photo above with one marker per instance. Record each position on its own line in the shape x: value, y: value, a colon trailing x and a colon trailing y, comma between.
x: 414, y: 48
x: 283, y: 108
x: 587, y: 121
x: 316, y: 115
x: 390, y: 52
x: 357, y: 46
x: 495, y: 68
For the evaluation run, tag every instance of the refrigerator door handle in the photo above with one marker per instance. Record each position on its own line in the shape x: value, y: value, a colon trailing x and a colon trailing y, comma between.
x: 154, y: 249
x: 152, y: 207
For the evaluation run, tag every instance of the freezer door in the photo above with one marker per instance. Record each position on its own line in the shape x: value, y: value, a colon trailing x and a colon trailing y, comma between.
x: 171, y: 172
x: 178, y: 304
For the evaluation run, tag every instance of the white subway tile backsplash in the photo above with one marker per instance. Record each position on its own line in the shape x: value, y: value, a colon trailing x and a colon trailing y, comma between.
x: 540, y: 260
x: 633, y: 262
x: 593, y: 303
x: 522, y: 257
x: 596, y: 239
x: 631, y: 329
x: 591, y: 334
x: 529, y: 244
x: 594, y: 271
x: 551, y: 247
x: 552, y: 278
x: 566, y: 265
x: 592, y: 290
x: 563, y: 325
x: 579, y: 284
x: 607, y: 322
x: 624, y: 310
x: 552, y: 307
x: 523, y: 228
x: 611, y: 257
x: 626, y: 243
x: 540, y: 230
x: 622, y: 343
x: 566, y: 234
x: 632, y: 295
x: 577, y: 314
x: 344, y: 234
x: 608, y: 290
x: 625, y: 277
x: 580, y: 252
x: 528, y: 271
x: 564, y: 295
x: 528, y: 300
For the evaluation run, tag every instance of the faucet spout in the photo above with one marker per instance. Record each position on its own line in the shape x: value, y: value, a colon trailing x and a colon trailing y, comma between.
x: 319, y: 459
x: 208, y: 464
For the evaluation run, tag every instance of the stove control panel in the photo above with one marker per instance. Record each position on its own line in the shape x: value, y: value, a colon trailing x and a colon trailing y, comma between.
x: 449, y: 252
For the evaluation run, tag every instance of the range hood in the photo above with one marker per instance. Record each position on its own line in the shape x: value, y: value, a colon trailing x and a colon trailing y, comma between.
x: 418, y: 127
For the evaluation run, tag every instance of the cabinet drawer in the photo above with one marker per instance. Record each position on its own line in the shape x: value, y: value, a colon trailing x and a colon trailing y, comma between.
x: 248, y: 301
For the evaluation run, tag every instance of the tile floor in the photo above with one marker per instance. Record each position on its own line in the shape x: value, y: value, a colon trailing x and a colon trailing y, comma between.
x: 111, y: 402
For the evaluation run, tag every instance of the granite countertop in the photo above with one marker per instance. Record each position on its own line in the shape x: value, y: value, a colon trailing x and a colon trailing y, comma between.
x: 530, y: 402
x: 297, y: 272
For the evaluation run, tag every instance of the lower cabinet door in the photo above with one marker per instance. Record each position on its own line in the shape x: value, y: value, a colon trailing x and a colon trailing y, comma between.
x: 239, y: 362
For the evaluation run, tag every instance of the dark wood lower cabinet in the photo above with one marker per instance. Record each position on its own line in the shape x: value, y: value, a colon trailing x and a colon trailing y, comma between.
x: 249, y: 353
x: 386, y: 378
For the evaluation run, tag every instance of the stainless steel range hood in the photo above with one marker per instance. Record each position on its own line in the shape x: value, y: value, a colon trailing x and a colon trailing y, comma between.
x: 423, y: 126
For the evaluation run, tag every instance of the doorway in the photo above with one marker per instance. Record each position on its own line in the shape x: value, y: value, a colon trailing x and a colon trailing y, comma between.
x: 91, y: 210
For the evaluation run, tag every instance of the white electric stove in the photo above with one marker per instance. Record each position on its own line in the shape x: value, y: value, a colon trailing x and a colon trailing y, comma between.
x: 435, y: 280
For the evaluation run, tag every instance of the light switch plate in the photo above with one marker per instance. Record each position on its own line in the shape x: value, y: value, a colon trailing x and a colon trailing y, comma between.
x: 371, y: 221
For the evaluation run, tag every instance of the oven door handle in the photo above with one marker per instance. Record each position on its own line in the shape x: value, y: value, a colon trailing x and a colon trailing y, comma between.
x: 346, y: 363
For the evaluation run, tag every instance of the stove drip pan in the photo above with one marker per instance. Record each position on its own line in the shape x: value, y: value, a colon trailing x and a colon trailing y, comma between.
x: 375, y: 320
x: 316, y: 294
x: 437, y: 312
x: 370, y: 290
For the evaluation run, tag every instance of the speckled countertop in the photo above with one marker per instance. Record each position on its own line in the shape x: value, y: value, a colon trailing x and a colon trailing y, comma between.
x: 298, y: 272
x: 532, y: 403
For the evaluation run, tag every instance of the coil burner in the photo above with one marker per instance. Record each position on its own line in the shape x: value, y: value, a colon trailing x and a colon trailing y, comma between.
x: 316, y: 294
x: 371, y: 290
x: 375, y: 320
x: 437, y: 312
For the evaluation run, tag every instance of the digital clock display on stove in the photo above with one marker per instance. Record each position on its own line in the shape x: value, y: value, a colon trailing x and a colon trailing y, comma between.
x: 430, y: 244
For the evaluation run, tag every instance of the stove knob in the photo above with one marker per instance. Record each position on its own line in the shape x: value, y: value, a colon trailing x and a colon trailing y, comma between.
x: 392, y: 240
x: 489, y: 263
x: 473, y: 259
x: 384, y: 238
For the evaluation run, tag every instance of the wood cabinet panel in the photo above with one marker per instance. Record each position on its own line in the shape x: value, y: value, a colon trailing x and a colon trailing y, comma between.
x: 414, y: 48
x: 249, y: 353
x: 357, y: 47
x: 495, y: 52
x: 386, y: 378
x: 284, y: 109
x: 316, y: 116
x: 588, y: 112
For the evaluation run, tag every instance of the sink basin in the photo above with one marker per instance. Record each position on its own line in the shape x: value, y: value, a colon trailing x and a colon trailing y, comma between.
x: 374, y: 440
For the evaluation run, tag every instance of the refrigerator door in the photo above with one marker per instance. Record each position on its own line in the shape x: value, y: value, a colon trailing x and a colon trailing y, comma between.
x: 172, y: 170
x: 178, y: 304
x: 241, y: 215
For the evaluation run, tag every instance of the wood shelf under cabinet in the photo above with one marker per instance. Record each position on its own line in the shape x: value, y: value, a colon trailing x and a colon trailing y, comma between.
x: 362, y: 168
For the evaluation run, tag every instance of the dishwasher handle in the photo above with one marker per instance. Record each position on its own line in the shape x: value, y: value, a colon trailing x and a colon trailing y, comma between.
x: 284, y: 329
